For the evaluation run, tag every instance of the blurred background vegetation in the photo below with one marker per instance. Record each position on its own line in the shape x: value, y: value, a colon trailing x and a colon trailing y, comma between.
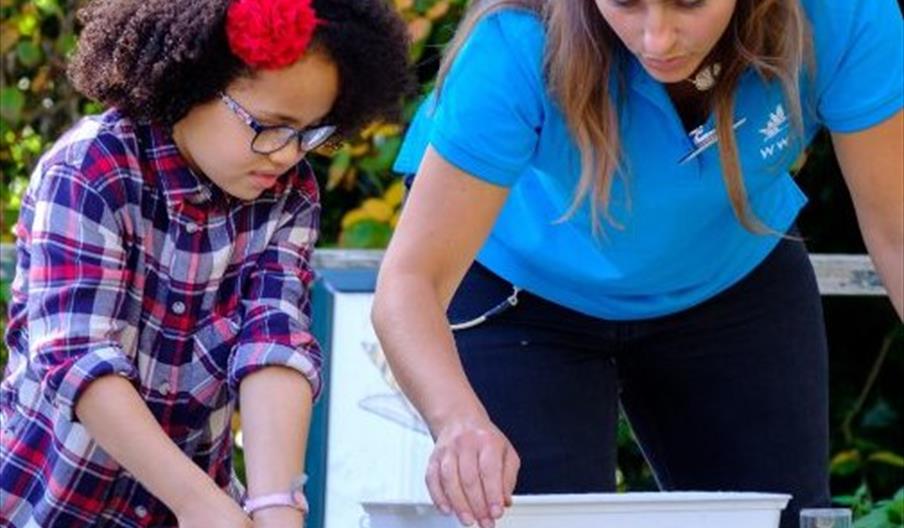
x: 362, y: 198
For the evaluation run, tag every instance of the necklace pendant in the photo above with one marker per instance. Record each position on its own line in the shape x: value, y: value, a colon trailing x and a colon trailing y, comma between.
x: 706, y: 78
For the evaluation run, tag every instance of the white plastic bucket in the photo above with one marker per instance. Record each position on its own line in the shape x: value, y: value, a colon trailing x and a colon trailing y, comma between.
x: 603, y: 510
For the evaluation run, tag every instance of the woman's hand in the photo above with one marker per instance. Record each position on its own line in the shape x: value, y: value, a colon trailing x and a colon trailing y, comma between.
x: 472, y: 471
x: 218, y: 510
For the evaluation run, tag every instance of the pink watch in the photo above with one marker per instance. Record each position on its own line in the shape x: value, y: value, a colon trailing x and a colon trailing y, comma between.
x: 293, y: 498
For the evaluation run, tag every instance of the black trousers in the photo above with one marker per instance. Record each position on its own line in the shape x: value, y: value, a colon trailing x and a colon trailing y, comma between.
x: 730, y: 395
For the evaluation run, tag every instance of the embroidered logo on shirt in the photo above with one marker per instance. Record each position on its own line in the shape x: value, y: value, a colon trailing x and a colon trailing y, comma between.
x: 703, y: 139
x: 778, y: 123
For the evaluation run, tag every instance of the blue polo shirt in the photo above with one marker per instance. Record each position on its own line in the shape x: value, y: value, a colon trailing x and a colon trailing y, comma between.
x: 678, y: 242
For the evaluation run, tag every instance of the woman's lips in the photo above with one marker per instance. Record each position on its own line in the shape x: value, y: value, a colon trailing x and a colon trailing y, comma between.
x: 670, y: 65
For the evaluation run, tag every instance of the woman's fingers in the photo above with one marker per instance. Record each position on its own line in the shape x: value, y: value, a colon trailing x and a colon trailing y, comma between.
x: 451, y: 483
x: 472, y: 472
x: 435, y: 486
x: 511, y: 465
x: 491, y: 462
x: 472, y: 481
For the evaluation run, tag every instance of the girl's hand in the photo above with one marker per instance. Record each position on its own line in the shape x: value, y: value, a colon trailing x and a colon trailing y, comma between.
x: 472, y: 471
x: 217, y: 511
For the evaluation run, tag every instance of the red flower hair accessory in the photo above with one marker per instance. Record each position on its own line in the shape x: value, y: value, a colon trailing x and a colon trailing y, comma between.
x: 270, y: 34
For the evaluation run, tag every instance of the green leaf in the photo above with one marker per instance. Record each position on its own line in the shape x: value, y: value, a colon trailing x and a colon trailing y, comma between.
x: 27, y: 25
x: 846, y: 463
x: 366, y: 234
x: 29, y: 53
x: 92, y: 107
x: 880, y: 415
x: 339, y: 165
x: 11, y: 103
x: 49, y: 7
x: 65, y: 45
x: 386, y: 155
x: 887, y: 457
x: 874, y: 519
x: 895, y: 508
x: 844, y: 500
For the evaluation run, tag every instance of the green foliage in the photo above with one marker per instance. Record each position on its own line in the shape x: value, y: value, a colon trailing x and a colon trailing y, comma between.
x: 36, y: 101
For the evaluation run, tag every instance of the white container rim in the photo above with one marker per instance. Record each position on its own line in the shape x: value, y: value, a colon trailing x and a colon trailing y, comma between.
x: 614, y: 502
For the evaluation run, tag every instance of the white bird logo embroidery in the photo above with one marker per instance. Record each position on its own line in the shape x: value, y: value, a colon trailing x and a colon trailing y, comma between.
x: 778, y: 121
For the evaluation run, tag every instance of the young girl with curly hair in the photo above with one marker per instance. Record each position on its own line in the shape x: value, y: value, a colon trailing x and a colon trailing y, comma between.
x: 163, y: 261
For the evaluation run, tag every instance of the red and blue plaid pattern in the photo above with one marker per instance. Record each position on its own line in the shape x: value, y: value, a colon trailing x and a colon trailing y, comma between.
x: 128, y: 263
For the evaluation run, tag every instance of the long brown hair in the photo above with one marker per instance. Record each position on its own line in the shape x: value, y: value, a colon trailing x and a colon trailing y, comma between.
x: 769, y: 36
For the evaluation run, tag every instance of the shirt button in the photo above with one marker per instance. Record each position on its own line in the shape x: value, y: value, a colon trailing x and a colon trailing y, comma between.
x: 164, y: 388
x: 178, y: 307
x: 141, y: 512
x: 192, y: 227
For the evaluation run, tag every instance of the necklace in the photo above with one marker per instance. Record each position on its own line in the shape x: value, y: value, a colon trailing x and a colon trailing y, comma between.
x: 706, y: 77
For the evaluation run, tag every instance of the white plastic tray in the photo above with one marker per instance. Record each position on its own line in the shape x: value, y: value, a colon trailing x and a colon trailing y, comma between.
x: 603, y: 510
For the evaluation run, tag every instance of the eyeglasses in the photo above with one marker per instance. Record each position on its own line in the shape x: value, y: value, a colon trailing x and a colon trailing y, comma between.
x: 269, y: 139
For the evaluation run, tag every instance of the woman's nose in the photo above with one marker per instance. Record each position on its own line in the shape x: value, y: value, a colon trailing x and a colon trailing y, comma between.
x: 659, y: 33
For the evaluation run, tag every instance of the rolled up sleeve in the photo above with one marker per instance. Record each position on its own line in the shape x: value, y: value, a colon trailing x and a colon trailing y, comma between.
x: 276, y: 319
x: 77, y: 286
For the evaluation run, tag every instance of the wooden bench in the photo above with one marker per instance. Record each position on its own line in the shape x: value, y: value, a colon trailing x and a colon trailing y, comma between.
x: 852, y: 275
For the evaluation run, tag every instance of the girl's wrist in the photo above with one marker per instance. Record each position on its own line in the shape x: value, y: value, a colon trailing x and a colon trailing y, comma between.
x: 281, y: 516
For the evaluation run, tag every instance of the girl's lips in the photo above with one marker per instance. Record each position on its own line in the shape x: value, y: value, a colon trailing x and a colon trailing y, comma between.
x: 265, y: 179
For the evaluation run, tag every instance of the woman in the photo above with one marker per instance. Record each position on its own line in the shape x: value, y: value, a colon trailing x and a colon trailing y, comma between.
x: 620, y: 170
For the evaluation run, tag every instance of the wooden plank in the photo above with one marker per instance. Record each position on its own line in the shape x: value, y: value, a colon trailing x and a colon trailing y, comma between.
x: 836, y: 274
x: 846, y: 275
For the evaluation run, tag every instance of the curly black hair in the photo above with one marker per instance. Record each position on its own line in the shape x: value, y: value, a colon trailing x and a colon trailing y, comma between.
x: 156, y: 59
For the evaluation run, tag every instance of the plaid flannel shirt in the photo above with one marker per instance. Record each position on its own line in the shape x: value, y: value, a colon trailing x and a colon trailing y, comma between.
x: 130, y: 264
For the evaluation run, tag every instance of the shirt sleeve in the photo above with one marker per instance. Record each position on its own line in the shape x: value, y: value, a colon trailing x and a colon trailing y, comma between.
x: 77, y: 283
x: 276, y: 308
x: 489, y: 111
x: 859, y: 47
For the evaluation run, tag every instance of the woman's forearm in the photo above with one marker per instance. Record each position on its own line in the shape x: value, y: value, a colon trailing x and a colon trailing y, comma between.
x: 888, y: 256
x: 119, y: 420
x: 872, y: 161
x: 411, y: 323
x: 276, y: 407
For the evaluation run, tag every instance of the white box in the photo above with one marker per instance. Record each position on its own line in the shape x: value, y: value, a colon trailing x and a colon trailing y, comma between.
x: 602, y: 510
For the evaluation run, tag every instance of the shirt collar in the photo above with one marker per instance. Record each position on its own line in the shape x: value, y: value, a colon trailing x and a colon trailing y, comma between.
x: 178, y: 181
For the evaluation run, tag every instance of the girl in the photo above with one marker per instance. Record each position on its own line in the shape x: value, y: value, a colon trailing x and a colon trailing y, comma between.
x: 620, y: 170
x: 164, y: 260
